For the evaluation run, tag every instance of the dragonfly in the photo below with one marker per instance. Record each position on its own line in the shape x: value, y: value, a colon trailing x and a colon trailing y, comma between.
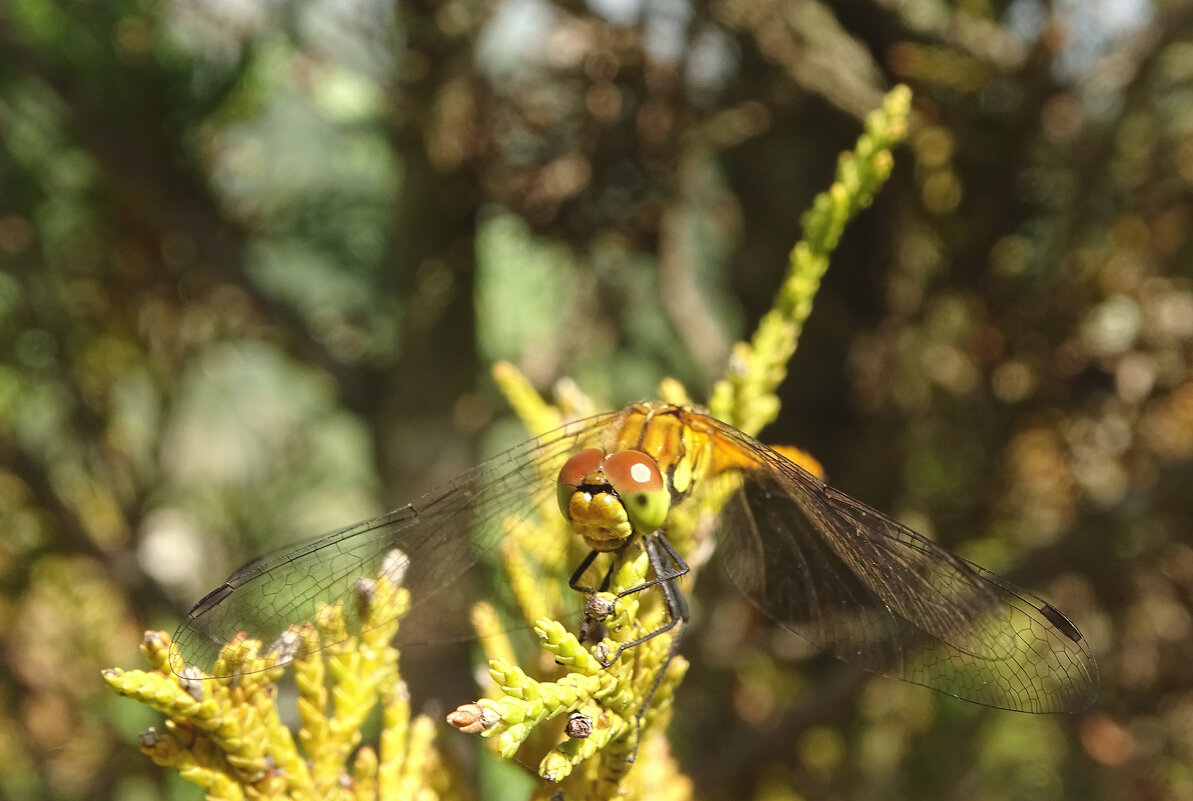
x: 850, y: 580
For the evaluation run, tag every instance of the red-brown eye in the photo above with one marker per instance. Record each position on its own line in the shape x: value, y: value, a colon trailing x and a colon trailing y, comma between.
x: 580, y: 465
x: 633, y: 471
x: 639, y: 483
x: 573, y: 472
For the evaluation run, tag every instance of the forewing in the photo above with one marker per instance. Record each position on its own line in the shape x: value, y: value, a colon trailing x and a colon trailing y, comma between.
x: 871, y: 591
x: 443, y: 545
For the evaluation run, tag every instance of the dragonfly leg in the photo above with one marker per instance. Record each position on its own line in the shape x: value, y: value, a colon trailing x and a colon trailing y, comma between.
x: 592, y: 630
x: 658, y: 549
x: 654, y: 687
x: 574, y: 581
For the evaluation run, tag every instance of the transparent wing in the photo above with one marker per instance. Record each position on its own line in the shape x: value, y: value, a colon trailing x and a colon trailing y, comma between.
x: 871, y: 591
x: 444, y: 546
x: 842, y: 575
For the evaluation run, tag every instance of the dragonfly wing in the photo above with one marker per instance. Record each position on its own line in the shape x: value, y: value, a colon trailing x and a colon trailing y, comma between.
x: 871, y: 591
x: 444, y: 546
x: 263, y: 598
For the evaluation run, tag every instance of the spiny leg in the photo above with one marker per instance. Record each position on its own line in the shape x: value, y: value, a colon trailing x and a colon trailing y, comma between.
x: 593, y: 630
x: 666, y: 572
x: 667, y: 565
x: 657, y: 547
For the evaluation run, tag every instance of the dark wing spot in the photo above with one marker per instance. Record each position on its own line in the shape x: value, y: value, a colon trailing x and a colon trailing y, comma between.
x: 1062, y: 623
x: 212, y: 599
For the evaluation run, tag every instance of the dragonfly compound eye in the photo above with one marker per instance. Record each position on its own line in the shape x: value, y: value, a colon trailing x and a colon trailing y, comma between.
x: 640, y: 486
x: 572, y: 474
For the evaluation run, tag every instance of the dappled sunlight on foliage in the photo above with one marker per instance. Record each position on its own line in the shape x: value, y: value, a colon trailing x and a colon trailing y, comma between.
x: 256, y: 259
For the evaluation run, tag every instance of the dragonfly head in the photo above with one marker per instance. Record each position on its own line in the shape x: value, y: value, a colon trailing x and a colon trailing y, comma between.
x: 609, y: 497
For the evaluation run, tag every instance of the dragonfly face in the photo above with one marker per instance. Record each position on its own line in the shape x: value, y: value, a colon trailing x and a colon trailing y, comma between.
x: 847, y: 578
x: 607, y: 498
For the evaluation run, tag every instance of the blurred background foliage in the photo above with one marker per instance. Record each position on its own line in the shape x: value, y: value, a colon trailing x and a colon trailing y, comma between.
x: 255, y: 258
